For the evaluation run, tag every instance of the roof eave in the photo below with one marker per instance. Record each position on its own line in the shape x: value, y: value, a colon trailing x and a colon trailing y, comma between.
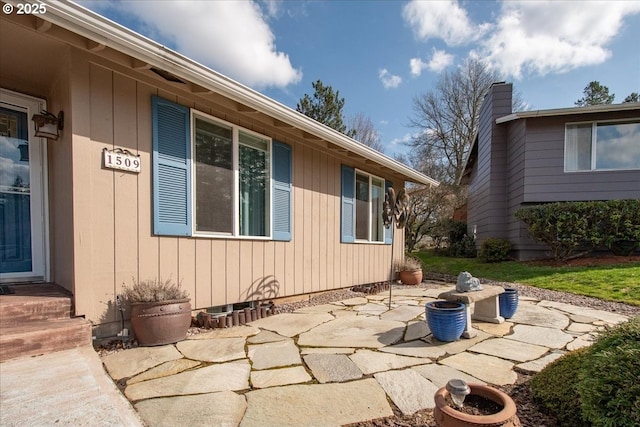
x: 591, y: 109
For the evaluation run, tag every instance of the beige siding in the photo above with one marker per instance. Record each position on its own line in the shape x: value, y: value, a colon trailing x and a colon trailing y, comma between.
x: 112, y: 212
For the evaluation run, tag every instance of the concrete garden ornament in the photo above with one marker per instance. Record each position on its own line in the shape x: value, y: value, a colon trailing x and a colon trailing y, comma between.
x: 467, y: 283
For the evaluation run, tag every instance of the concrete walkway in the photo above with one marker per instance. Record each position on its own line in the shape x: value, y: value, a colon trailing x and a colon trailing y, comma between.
x: 326, y: 365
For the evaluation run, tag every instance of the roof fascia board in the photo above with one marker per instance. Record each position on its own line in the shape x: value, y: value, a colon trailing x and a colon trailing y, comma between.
x: 567, y: 111
x: 101, y: 30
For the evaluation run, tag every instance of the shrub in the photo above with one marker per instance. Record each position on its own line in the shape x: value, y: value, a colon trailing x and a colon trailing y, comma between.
x: 608, y: 385
x: 555, y: 388
x: 410, y: 263
x: 465, y: 247
x: 567, y: 227
x: 494, y: 250
x: 154, y: 290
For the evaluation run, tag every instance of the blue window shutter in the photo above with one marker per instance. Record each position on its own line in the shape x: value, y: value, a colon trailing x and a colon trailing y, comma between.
x: 347, y: 234
x: 282, y: 191
x: 171, y: 168
x: 388, y: 232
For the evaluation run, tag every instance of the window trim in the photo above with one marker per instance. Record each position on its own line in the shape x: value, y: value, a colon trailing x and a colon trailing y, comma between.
x: 369, y: 217
x: 236, y: 178
x: 594, y: 143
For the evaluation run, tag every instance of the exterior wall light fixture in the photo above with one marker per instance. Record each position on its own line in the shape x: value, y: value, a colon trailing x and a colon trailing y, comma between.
x: 48, y: 125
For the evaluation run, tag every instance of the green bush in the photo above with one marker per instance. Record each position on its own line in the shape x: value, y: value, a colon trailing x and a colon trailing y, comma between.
x: 555, y: 389
x: 494, y: 250
x: 567, y: 227
x: 595, y: 386
x: 465, y: 247
x: 609, y: 387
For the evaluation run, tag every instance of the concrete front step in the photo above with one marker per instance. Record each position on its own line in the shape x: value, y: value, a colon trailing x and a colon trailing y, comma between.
x: 36, y: 319
x: 42, y: 337
x: 34, y: 303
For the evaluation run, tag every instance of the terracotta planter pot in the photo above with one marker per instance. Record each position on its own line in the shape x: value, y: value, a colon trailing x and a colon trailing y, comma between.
x: 410, y: 277
x: 446, y: 416
x: 158, y: 323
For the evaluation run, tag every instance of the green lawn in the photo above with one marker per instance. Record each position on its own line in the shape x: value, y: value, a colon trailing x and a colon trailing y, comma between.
x: 619, y: 282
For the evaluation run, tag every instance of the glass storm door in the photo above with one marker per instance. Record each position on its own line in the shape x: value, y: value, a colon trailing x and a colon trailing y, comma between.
x: 22, y: 250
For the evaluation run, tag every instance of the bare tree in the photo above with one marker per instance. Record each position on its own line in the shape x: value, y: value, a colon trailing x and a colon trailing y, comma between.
x: 447, y: 116
x: 365, y: 132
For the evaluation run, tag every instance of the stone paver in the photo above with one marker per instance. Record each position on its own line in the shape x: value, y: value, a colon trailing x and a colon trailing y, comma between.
x: 372, y: 309
x: 355, y: 301
x: 509, y: 349
x: 164, y: 370
x: 410, y: 391
x: 332, y: 368
x: 277, y: 377
x: 404, y: 313
x: 327, y: 350
x: 220, y: 377
x: 535, y: 315
x: 360, y: 331
x: 292, y: 324
x: 582, y: 341
x: 496, y: 329
x: 539, y: 364
x: 315, y: 405
x: 547, y: 337
x: 440, y: 375
x: 274, y: 354
x: 131, y: 362
x: 487, y: 368
x: 220, y: 350
x: 371, y: 362
x: 416, y: 348
x: 265, y: 337
x: 581, y: 327
x: 605, y: 316
x: 224, y: 409
x: 323, y: 308
x: 416, y: 330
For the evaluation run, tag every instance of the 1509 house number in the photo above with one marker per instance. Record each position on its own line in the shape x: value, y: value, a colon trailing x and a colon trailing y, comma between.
x: 121, y: 159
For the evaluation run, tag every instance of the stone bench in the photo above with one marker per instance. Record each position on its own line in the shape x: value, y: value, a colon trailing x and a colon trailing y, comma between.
x: 487, y: 306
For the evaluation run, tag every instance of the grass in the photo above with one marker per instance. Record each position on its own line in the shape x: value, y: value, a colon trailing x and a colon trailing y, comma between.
x: 613, y: 282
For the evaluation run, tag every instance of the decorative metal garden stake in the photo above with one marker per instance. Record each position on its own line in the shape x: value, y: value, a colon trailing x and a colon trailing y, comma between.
x: 394, y: 210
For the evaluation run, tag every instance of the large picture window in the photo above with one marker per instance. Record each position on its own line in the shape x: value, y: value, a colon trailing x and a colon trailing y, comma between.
x: 226, y: 175
x: 602, y: 146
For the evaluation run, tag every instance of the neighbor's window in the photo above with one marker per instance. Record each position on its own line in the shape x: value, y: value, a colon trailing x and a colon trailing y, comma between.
x: 369, y: 192
x: 216, y: 200
x: 602, y: 146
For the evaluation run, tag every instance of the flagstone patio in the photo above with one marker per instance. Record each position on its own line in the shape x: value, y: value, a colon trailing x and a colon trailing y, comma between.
x: 340, y: 363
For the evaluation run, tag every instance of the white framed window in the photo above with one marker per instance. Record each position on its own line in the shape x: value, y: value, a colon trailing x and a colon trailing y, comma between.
x: 602, y: 145
x: 369, y: 196
x: 231, y: 182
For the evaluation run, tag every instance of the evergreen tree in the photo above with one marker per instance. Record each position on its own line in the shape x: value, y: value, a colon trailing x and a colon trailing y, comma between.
x: 595, y: 94
x: 325, y: 106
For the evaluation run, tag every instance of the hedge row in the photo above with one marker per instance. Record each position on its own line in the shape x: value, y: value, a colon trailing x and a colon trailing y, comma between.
x: 567, y: 227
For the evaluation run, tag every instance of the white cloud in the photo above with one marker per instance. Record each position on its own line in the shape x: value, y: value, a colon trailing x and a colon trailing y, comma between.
x: 445, y: 20
x: 389, y: 80
x: 417, y: 65
x: 231, y: 37
x: 553, y: 37
x: 440, y: 60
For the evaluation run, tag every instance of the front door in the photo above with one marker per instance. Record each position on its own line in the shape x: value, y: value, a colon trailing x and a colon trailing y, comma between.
x: 22, y: 190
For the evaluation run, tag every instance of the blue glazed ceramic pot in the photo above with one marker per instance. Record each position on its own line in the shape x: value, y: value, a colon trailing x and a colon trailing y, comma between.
x: 508, y: 302
x: 446, y: 320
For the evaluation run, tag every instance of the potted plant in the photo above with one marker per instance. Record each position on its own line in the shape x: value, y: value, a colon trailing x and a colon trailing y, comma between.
x: 508, y: 302
x: 446, y: 319
x: 160, y: 311
x: 409, y: 271
x: 478, y: 405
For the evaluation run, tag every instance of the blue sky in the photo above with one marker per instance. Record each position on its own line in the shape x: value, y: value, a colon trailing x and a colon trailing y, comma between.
x: 380, y: 54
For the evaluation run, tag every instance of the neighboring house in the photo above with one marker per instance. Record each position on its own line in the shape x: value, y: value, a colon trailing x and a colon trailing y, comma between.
x: 530, y: 157
x: 237, y: 196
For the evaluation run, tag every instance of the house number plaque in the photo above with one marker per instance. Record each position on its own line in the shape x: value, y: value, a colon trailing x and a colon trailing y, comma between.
x: 121, y: 159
